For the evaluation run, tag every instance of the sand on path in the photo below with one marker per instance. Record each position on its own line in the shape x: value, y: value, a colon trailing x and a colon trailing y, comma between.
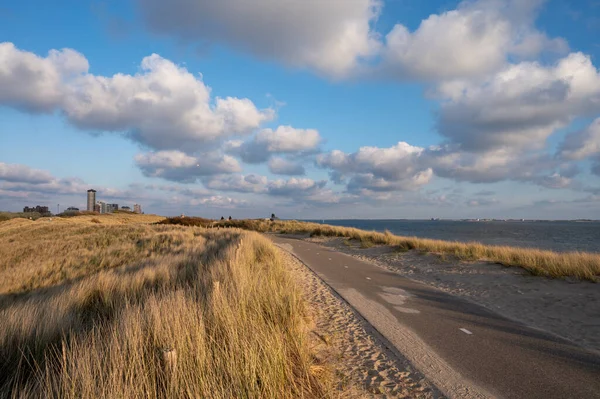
x: 568, y: 308
x: 364, y: 367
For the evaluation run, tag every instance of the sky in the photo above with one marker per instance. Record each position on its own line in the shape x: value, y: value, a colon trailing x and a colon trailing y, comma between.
x: 306, y: 109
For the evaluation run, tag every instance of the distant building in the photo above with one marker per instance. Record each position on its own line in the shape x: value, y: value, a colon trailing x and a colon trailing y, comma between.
x: 113, y: 207
x: 97, y: 208
x: 104, y: 207
x: 91, y: 199
x: 72, y: 209
x: 39, y: 209
x: 137, y: 208
x: 126, y: 208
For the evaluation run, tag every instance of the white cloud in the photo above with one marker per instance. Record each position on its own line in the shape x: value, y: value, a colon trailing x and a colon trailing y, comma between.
x: 379, y: 169
x: 520, y: 106
x: 303, y: 190
x: 178, y: 166
x: 294, y: 186
x: 555, y: 180
x: 238, y: 183
x: 23, y: 174
x: 487, y: 167
x: 219, y: 201
x: 283, y: 140
x: 23, y: 181
x: 474, y: 39
x: 328, y: 36
x: 281, y: 166
x: 163, y: 107
x: 338, y: 38
x: 34, y: 83
x: 583, y: 143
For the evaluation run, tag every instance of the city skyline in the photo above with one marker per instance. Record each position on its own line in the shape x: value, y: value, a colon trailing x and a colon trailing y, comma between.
x: 309, y: 110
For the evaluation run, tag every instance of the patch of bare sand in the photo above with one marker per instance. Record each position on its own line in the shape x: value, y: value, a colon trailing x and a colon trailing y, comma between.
x: 363, y: 366
x: 568, y: 308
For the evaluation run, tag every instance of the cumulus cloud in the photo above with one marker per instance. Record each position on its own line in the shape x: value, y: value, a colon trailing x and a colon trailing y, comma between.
x: 23, y: 174
x: 339, y: 39
x: 583, y: 143
x: 239, y: 183
x: 219, y: 201
x: 474, y: 39
x: 178, y: 166
x: 283, y: 140
x: 379, y: 169
x: 328, y: 36
x: 487, y: 167
x: 23, y: 181
x: 294, y: 187
x: 37, y: 84
x: 493, y: 166
x: 303, y: 190
x: 163, y: 107
x: 520, y: 106
x: 281, y: 166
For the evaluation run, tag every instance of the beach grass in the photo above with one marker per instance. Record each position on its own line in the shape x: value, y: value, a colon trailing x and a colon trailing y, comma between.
x: 116, y: 309
x: 581, y: 265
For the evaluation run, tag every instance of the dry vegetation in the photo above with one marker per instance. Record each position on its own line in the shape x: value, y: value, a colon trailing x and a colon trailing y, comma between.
x: 189, y: 221
x: 116, y: 309
x: 538, y: 262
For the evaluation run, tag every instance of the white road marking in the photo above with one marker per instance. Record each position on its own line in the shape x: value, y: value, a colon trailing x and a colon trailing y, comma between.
x: 329, y: 258
x: 368, y: 278
x: 465, y: 331
x: 346, y: 267
x: 317, y: 253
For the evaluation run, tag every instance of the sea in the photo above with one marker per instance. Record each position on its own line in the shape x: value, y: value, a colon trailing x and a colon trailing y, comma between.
x: 561, y: 236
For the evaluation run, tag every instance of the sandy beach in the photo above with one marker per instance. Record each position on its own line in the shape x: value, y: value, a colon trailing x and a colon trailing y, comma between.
x: 568, y: 308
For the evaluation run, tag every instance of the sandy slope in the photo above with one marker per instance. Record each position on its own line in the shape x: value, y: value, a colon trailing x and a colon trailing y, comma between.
x: 364, y: 367
x: 565, y: 307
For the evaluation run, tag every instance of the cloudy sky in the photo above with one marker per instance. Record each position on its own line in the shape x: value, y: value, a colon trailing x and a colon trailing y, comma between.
x: 309, y: 109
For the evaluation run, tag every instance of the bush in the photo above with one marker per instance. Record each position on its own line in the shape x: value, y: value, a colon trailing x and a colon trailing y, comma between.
x: 188, y: 221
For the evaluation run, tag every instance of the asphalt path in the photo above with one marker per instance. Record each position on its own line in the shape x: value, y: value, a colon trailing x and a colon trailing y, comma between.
x: 464, y: 349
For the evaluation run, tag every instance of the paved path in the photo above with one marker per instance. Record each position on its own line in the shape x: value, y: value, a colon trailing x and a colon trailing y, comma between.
x: 464, y: 349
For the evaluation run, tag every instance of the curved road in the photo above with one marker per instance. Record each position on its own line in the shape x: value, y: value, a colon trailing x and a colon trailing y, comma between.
x: 465, y: 350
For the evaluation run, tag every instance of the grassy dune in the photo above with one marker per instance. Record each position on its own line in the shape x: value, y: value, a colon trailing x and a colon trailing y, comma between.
x: 538, y: 262
x: 112, y: 309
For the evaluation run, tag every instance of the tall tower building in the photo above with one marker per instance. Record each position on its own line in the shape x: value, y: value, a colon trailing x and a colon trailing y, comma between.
x: 91, y: 200
x: 137, y: 208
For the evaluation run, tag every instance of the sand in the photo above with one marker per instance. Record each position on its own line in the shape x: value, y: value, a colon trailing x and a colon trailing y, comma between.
x: 363, y: 367
x: 567, y: 308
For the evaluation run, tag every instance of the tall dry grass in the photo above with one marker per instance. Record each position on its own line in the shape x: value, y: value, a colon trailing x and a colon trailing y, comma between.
x: 581, y: 265
x: 148, y: 311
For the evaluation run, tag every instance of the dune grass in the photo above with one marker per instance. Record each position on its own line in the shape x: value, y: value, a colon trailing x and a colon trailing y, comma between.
x: 139, y: 310
x: 582, y: 265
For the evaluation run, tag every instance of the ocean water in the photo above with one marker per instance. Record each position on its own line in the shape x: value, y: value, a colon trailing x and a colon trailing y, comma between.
x: 559, y: 236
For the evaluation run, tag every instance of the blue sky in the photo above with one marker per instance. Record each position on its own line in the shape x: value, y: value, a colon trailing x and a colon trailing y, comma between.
x: 357, y: 109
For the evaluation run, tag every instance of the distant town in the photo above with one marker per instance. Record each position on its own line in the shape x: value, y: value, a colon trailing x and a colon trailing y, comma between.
x: 92, y: 206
